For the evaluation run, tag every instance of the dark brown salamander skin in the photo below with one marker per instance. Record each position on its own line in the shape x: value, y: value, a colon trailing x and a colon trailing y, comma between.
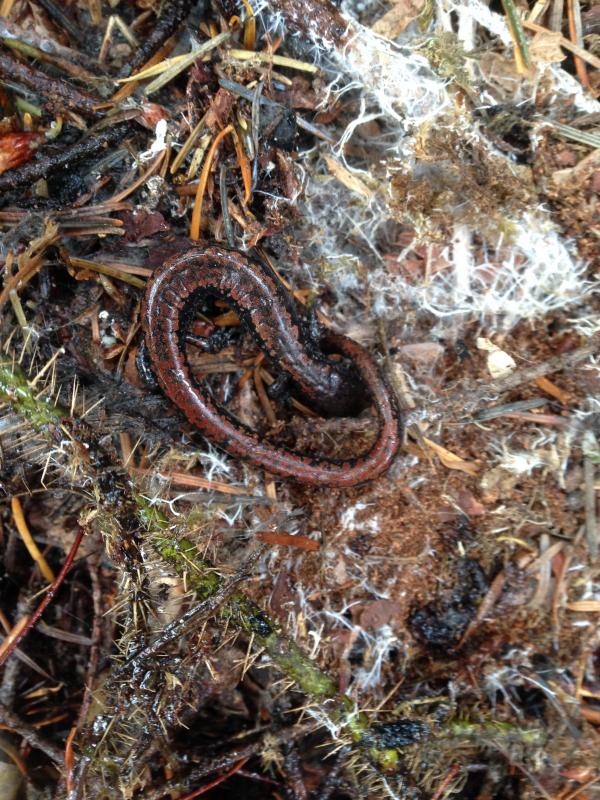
x: 335, y: 386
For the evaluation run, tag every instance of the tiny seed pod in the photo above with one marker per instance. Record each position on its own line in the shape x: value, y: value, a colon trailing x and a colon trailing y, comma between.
x: 17, y: 148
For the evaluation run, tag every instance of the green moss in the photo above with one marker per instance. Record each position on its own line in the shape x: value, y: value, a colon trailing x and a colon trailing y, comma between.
x: 485, y: 731
x: 448, y: 58
x: 182, y: 554
x: 15, y: 389
x: 287, y: 656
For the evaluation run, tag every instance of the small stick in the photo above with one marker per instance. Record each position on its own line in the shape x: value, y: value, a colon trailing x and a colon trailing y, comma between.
x: 209, y: 767
x: 46, y: 601
x: 540, y: 419
x: 59, y: 94
x: 249, y: 27
x: 12, y: 634
x: 250, y: 95
x: 44, y: 164
x: 174, y: 13
x: 59, y: 16
x: 187, y: 146
x: 141, y: 180
x: 439, y: 792
x: 196, y: 482
x: 509, y: 408
x: 75, y: 70
x: 217, y: 781
x: 127, y: 89
x: 12, y: 30
x: 264, y: 397
x: 244, y: 166
x: 468, y: 400
x: 287, y: 540
x: 206, y: 608
x: 580, y: 789
x: 30, y: 735
x: 96, y: 637
x: 103, y: 269
x: 556, y: 15
x: 590, y: 58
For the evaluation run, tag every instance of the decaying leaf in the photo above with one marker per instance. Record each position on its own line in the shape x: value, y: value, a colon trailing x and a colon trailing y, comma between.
x: 400, y: 15
x: 349, y: 180
x: 545, y: 47
x: 451, y: 460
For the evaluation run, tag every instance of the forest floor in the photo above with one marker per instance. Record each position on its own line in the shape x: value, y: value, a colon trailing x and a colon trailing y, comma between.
x: 177, y: 622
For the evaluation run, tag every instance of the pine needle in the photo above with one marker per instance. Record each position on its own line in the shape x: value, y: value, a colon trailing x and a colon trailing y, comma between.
x: 197, y: 212
x: 172, y: 70
x: 25, y: 534
x: 270, y: 58
x: 522, y: 58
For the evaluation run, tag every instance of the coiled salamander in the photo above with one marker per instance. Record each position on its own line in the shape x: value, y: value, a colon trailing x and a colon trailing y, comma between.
x: 335, y: 386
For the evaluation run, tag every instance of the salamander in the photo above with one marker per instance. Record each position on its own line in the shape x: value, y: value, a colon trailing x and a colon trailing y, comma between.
x: 334, y: 374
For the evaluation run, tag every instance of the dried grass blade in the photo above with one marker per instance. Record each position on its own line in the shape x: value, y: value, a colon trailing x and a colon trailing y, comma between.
x: 517, y: 33
x: 174, y: 70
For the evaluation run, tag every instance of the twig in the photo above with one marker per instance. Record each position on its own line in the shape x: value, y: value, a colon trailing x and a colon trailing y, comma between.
x: 223, y: 761
x: 237, y: 766
x: 566, y: 44
x: 62, y: 19
x: 12, y: 30
x: 13, y: 633
x: 45, y: 164
x: 263, y: 397
x: 540, y: 419
x: 173, y: 14
x: 31, y: 735
x: 574, y: 134
x: 556, y: 15
x: 439, y: 792
x: 293, y: 771
x: 47, y: 599
x: 187, y: 146
x: 141, y: 180
x: 29, y: 262
x: 103, y: 269
x: 285, y: 653
x: 509, y: 408
x: 206, y: 608
x: 22, y: 46
x: 93, y: 564
x: 466, y: 402
x: 250, y: 95
x: 269, y: 58
x: 249, y: 27
x: 244, y: 166
x: 287, y: 540
x: 334, y: 777
x: 182, y: 63
x: 59, y: 94
x: 576, y: 792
